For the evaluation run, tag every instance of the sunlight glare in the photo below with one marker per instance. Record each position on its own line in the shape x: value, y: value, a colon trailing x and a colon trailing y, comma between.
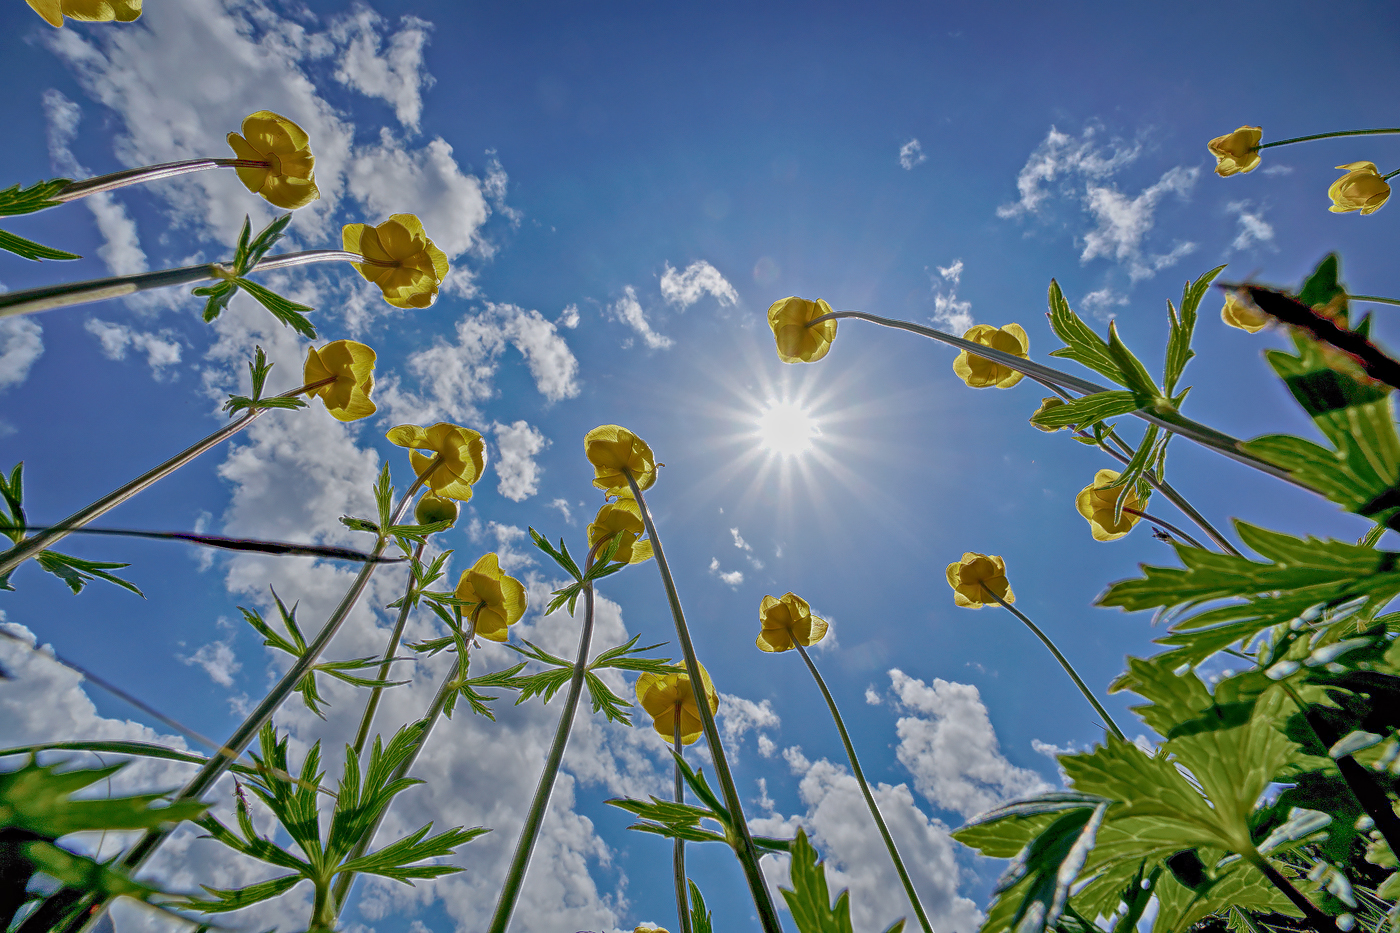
x: 787, y: 428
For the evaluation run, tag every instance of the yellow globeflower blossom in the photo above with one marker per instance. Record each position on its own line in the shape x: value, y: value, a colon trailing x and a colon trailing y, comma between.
x: 87, y: 11
x: 1236, y: 152
x: 1046, y: 404
x: 287, y: 177
x: 968, y: 576
x: 434, y: 508
x: 614, y: 452
x: 460, y: 456
x: 786, y: 621
x: 1244, y: 316
x: 399, y: 258
x: 351, y: 365
x: 1096, y: 503
x: 664, y: 696
x: 497, y: 600
x: 1361, y: 189
x: 622, y: 517
x: 798, y: 343
x: 980, y: 373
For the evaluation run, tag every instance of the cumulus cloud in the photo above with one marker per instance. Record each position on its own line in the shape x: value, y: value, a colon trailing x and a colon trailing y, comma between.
x: 738, y: 715
x: 948, y: 744
x: 1123, y: 222
x: 162, y: 349
x: 21, y: 343
x: 628, y: 310
x: 699, y: 279
x: 563, y: 506
x: 1101, y: 302
x: 218, y: 661
x: 387, y: 67
x: 519, y: 474
x: 948, y: 310
x: 569, y: 317
x: 1060, y: 158
x: 731, y: 578
x: 1253, y: 228
x: 911, y: 154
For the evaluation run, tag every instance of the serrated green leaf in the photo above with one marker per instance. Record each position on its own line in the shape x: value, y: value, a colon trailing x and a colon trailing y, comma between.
x: 700, y: 920
x: 1323, y: 284
x: 1135, y: 375
x: 1183, y: 325
x: 1088, y: 410
x: 28, y: 249
x: 1081, y: 343
x: 78, y: 572
x: 285, y: 310
x: 38, y: 196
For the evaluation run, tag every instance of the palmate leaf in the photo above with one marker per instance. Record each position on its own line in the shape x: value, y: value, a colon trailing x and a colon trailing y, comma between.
x: 1081, y: 343
x: 78, y: 572
x: 809, y: 901
x: 246, y: 255
x: 37, y: 798
x: 1087, y: 411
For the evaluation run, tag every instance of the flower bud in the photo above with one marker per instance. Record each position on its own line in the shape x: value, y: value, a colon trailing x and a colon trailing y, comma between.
x: 433, y: 508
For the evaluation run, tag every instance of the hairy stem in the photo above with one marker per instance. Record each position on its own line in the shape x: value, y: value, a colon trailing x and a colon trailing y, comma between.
x: 865, y: 789
x: 1064, y: 662
x: 743, y: 846
x: 1314, y: 917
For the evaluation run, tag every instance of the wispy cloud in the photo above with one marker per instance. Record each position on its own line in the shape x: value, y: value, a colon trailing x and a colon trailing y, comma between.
x: 699, y: 279
x: 948, y: 310
x: 911, y: 154
x: 162, y: 349
x: 1253, y: 228
x: 1065, y: 159
x: 730, y: 578
x: 388, y: 67
x: 629, y: 311
x: 1123, y: 222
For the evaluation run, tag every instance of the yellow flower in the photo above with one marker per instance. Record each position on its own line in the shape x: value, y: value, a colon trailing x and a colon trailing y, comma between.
x: 434, y: 508
x: 1236, y: 152
x: 287, y: 179
x: 615, y: 452
x: 798, y: 343
x: 1096, y: 505
x: 622, y: 517
x: 498, y: 600
x: 400, y: 259
x: 1244, y: 316
x: 969, y: 576
x: 351, y: 364
x: 460, y: 460
x: 1361, y: 189
x: 788, y: 620
x: 87, y: 11
x: 1045, y: 405
x: 663, y: 696
x: 979, y: 373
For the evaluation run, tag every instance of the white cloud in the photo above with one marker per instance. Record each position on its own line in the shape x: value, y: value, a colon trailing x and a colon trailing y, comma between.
x: 1062, y: 157
x: 495, y: 184
x: 161, y: 349
x: 218, y: 660
x: 950, y: 747
x: 952, y: 273
x: 121, y: 247
x: 911, y: 154
x: 563, y: 506
x: 732, y: 578
x: 519, y: 474
x: 394, y: 75
x: 628, y: 310
x: 1277, y: 169
x: 1123, y: 222
x: 840, y: 826
x: 739, y: 541
x: 1101, y: 302
x: 699, y: 279
x: 738, y: 715
x: 1253, y: 228
x: 21, y: 343
x: 948, y: 310
x: 569, y: 317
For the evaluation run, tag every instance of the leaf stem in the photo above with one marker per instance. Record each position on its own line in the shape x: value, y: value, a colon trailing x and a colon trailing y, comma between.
x: 743, y: 846
x: 1318, y: 920
x: 136, y: 176
x: 1064, y: 662
x: 678, y: 849
x: 1166, y: 526
x: 865, y: 789
x: 372, y: 704
x: 524, y: 847
x: 1170, y: 420
x: 1303, y: 139
x: 1377, y: 299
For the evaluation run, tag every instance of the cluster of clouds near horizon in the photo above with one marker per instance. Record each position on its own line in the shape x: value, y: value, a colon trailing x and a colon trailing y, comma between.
x: 288, y: 482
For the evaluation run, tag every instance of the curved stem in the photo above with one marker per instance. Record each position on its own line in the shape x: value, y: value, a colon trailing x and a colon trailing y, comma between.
x: 136, y: 176
x: 1303, y: 139
x: 743, y: 846
x: 31, y: 546
x: 33, y: 300
x: 1377, y: 299
x: 678, y: 850
x: 1169, y: 419
x: 371, y: 705
x: 1166, y: 526
x: 515, y: 876
x: 1064, y: 662
x: 865, y: 789
x: 1390, y: 175
x: 1315, y: 917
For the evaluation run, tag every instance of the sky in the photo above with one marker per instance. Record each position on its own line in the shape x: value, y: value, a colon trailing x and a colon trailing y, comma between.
x: 623, y: 189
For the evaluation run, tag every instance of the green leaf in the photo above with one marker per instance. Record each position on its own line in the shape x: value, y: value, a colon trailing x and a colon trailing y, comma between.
x: 808, y: 899
x: 359, y: 524
x: 36, y: 798
x: 1087, y: 411
x: 1135, y: 375
x: 37, y: 197
x: 700, y: 920
x: 285, y: 310
x: 560, y: 557
x: 1323, y: 284
x: 1049, y: 865
x: 253, y: 252
x: 78, y: 572
x: 1179, y: 351
x: 1082, y: 344
x: 28, y: 249
x: 613, y: 706
x: 227, y: 899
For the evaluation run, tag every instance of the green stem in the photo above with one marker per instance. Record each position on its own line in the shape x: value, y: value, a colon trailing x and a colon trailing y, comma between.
x: 1171, y: 420
x: 1316, y: 918
x: 31, y: 546
x: 1390, y: 175
x: 865, y: 789
x: 1375, y: 298
x: 1303, y: 139
x: 375, y: 693
x: 1167, y: 526
x: 678, y: 850
x: 33, y: 300
x: 515, y: 877
x: 136, y: 176
x: 1064, y: 662
x: 743, y: 846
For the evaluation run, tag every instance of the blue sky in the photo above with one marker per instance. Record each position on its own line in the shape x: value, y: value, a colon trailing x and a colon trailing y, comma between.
x: 623, y: 190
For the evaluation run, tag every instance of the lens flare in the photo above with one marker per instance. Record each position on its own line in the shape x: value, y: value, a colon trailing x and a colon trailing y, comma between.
x: 787, y: 428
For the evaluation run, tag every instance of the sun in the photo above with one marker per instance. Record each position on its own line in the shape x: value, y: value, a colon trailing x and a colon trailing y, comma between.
x: 787, y: 428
